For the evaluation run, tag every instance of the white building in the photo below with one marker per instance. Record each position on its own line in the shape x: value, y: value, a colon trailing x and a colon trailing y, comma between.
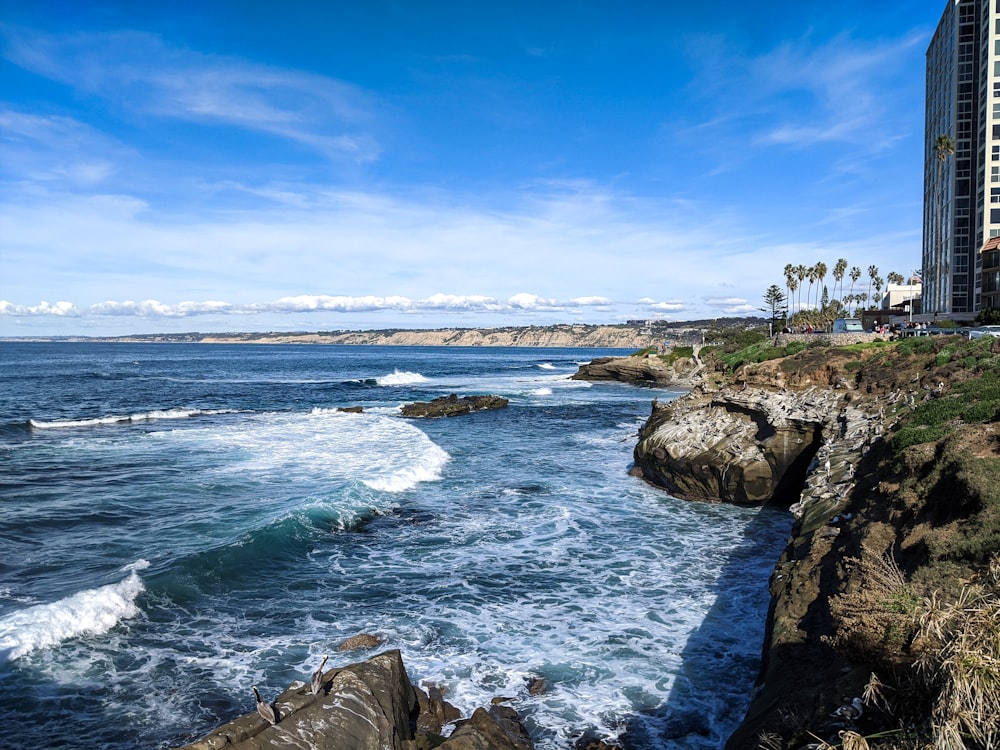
x: 900, y: 297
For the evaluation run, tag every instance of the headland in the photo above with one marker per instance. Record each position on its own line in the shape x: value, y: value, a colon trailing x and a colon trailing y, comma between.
x: 884, y: 624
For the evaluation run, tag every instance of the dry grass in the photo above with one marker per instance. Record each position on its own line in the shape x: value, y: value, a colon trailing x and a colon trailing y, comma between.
x: 956, y: 645
x: 960, y: 664
x: 880, y: 618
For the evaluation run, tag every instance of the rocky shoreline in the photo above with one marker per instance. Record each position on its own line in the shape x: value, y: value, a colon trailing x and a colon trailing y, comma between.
x: 817, y: 432
x: 888, y: 536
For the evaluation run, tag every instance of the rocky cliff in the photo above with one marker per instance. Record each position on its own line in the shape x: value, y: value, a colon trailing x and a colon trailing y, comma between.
x: 583, y: 336
x: 888, y: 457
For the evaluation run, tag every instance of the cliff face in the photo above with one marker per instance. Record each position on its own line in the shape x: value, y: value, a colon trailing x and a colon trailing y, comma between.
x: 889, y: 459
x: 581, y: 336
x: 753, y: 446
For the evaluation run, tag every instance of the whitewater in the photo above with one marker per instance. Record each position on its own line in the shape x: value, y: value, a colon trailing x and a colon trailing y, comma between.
x: 180, y: 522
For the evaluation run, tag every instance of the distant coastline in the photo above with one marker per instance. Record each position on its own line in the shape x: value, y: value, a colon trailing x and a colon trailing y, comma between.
x: 632, y: 335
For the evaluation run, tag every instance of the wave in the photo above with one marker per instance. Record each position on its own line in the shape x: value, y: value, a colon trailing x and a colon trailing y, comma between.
x: 90, y: 612
x: 401, y: 378
x: 405, y: 478
x: 542, y: 392
x: 547, y: 366
x: 146, y: 416
x: 326, y: 450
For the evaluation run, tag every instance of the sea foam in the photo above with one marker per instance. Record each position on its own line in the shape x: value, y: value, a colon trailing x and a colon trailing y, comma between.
x: 146, y: 416
x: 89, y: 612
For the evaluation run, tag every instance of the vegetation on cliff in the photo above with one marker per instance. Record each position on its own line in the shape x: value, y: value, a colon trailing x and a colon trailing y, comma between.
x: 895, y: 600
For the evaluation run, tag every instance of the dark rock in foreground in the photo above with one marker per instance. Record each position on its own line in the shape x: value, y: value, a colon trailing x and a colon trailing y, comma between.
x: 369, y: 705
x: 453, y: 406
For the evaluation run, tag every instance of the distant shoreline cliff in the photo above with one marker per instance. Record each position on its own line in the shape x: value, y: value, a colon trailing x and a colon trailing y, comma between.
x: 618, y: 336
x: 634, y: 334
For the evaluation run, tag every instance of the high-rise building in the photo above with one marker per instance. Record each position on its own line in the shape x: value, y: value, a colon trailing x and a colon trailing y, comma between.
x: 962, y: 160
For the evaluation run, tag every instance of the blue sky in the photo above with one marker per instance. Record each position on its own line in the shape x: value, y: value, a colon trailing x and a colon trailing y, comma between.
x: 301, y: 166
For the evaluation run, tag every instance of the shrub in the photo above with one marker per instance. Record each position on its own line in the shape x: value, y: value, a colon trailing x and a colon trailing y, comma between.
x: 881, y: 614
x: 916, y: 345
x: 794, y: 348
x: 944, y: 356
x: 915, y: 435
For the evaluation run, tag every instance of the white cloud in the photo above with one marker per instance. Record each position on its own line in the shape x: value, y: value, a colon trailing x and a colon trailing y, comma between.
x: 301, y: 304
x: 801, y: 93
x: 59, y: 309
x: 666, y: 306
x: 139, y: 72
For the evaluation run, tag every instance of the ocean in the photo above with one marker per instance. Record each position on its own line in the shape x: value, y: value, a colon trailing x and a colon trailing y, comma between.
x: 180, y: 522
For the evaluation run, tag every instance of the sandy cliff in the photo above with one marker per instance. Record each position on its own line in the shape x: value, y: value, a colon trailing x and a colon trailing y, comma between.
x: 583, y: 336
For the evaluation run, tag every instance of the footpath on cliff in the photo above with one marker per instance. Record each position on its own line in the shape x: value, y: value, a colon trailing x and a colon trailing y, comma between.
x: 884, y: 627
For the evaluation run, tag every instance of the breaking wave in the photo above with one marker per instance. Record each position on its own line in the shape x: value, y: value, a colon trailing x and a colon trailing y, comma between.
x: 146, y: 416
x: 401, y: 378
x: 89, y: 612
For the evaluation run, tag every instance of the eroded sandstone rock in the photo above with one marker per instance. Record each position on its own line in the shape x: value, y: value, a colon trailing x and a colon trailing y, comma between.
x: 366, y: 705
x: 747, y: 447
x: 370, y: 705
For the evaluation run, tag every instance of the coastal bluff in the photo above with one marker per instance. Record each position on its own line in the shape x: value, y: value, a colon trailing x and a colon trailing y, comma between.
x: 888, y: 457
x: 590, y: 336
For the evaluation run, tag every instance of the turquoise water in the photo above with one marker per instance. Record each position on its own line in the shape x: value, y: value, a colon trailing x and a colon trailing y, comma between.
x: 180, y: 522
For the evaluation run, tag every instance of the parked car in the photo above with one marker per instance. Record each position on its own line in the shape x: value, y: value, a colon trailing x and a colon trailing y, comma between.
x: 981, y: 331
x: 848, y: 325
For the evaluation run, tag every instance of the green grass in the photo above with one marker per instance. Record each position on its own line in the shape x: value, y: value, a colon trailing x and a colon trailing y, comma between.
x: 973, y: 402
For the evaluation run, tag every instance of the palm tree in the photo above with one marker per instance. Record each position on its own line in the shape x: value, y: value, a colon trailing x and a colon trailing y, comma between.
x: 855, y: 275
x: 872, y: 273
x: 839, y: 269
x: 793, y: 284
x: 944, y: 146
x: 800, y: 273
x: 894, y: 278
x: 878, y: 281
x: 820, y: 277
x: 789, y: 276
x: 811, y: 273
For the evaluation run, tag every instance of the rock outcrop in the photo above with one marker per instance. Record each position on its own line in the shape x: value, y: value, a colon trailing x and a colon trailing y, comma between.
x: 452, y: 406
x: 639, y: 370
x: 888, y: 540
x: 368, y: 705
x: 750, y: 446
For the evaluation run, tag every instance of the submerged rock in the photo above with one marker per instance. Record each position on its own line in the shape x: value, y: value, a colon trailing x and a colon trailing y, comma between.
x: 359, y: 641
x: 453, y: 406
